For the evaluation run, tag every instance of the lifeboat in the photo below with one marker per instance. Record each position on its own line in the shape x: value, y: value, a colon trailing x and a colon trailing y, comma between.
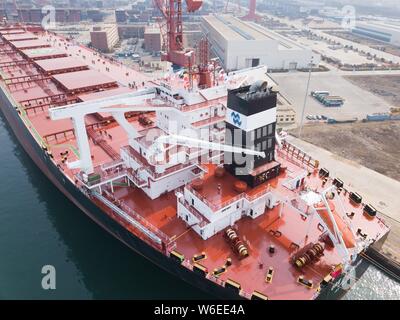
x: 347, y: 234
x: 193, y: 5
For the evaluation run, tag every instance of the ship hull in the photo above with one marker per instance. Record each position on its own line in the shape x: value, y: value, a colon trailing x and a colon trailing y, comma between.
x: 55, y: 175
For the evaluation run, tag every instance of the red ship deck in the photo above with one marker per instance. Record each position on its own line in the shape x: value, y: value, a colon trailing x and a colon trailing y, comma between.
x: 37, y: 95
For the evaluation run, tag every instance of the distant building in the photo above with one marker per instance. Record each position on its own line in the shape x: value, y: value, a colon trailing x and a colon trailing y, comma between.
x: 104, y: 38
x: 150, y: 63
x: 36, y: 15
x: 288, y: 8
x: 152, y: 39
x: 74, y: 16
x: 121, y: 16
x: 131, y: 30
x: 3, y: 14
x: 241, y: 44
x: 285, y: 115
x: 380, y: 31
x: 61, y: 15
x: 95, y: 15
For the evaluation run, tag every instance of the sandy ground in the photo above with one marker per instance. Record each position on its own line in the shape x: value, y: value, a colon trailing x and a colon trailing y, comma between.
x: 386, y: 87
x: 375, y: 145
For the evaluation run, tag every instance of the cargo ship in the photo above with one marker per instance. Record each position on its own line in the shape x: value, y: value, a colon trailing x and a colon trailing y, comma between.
x: 196, y: 179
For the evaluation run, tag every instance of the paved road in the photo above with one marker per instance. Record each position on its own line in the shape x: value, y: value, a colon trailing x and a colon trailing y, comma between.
x: 334, y: 70
x: 358, y: 102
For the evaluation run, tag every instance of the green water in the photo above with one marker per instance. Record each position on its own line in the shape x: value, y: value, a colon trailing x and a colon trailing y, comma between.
x: 39, y: 226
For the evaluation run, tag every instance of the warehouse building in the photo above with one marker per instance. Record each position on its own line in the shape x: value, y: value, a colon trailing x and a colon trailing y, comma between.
x: 380, y: 31
x: 241, y: 44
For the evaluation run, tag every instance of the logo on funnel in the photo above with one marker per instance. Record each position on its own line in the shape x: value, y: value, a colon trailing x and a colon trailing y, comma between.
x: 236, y: 118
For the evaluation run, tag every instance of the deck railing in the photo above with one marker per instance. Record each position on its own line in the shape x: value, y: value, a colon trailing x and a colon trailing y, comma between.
x: 202, y: 220
x: 297, y: 156
x: 142, y: 225
x: 215, y: 207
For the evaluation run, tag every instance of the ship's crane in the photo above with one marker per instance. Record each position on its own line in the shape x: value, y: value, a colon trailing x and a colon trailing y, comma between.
x: 172, y: 30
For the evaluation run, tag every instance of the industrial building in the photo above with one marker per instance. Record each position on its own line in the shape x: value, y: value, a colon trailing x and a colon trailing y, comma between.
x: 241, y: 44
x: 152, y: 39
x: 62, y: 15
x: 381, y: 31
x: 134, y: 30
x: 121, y: 16
x: 104, y: 38
x: 285, y: 115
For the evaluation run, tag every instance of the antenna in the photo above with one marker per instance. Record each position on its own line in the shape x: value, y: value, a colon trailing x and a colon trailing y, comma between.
x: 305, y: 97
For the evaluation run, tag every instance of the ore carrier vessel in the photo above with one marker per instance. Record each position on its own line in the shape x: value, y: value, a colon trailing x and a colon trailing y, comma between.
x: 193, y: 177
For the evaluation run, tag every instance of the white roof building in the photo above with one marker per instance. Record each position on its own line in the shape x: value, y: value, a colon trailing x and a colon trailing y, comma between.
x: 241, y: 44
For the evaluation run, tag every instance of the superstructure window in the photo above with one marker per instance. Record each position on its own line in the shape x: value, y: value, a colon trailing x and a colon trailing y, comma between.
x: 258, y: 133
x: 270, y: 128
x: 264, y: 131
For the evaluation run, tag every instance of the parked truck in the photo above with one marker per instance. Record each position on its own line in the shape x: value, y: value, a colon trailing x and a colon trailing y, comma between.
x: 326, y: 99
